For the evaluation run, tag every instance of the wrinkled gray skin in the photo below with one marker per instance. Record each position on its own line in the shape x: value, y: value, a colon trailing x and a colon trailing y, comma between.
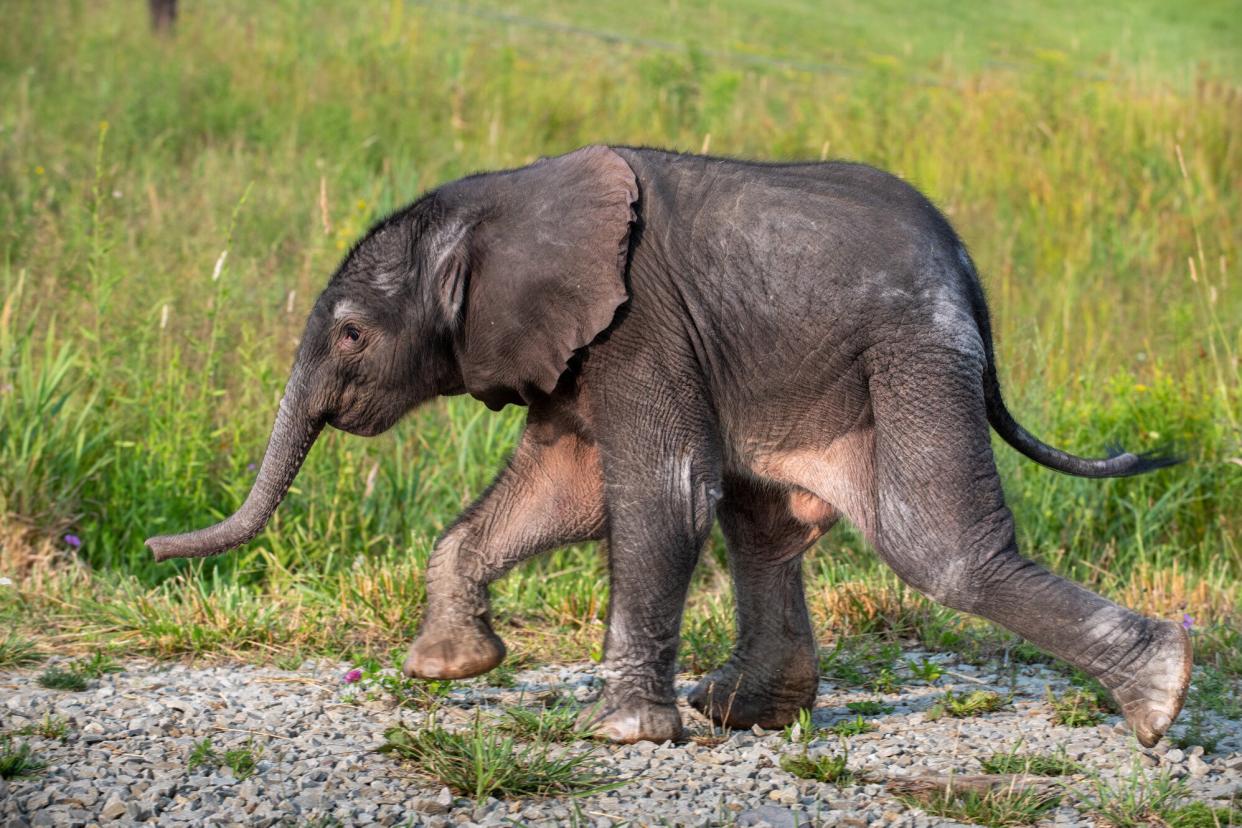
x: 771, y: 345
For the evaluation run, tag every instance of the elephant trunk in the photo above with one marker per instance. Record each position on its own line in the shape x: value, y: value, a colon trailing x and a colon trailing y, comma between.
x: 292, y: 436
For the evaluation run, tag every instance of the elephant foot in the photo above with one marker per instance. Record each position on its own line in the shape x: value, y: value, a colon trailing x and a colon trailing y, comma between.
x: 1151, y: 697
x: 732, y: 697
x: 444, y: 651
x: 632, y: 720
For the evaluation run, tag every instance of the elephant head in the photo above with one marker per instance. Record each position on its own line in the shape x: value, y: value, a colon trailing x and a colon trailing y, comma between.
x: 486, y: 286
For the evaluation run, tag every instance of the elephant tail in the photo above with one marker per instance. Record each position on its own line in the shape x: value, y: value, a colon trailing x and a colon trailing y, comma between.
x: 1119, y: 463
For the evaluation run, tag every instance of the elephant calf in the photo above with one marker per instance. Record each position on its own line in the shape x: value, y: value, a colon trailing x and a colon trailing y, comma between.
x: 771, y: 345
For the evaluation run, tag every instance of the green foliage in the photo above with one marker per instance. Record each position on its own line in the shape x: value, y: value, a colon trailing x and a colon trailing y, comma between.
x: 481, y: 762
x: 18, y: 759
x: 1134, y: 800
x: 924, y: 670
x: 54, y: 678
x: 974, y: 703
x: 554, y: 722
x: 803, y: 729
x: 75, y: 675
x: 1037, y: 764
x: 243, y: 761
x: 822, y: 767
x: 862, y: 661
x: 997, y: 808
x: 136, y: 389
x: 52, y: 727
x: 202, y: 754
x: 852, y: 727
x: 96, y: 666
x: 18, y: 652
x: 1075, y: 708
x: 706, y: 636
x: 870, y: 707
x: 1211, y: 692
x: 1201, y: 815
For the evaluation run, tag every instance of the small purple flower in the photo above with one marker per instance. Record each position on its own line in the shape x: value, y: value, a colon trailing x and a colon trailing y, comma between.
x: 73, y: 540
x: 352, y: 676
x: 250, y: 467
x: 1188, y: 621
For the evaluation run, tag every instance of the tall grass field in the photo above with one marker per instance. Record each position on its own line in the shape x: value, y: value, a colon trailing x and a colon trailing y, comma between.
x: 170, y: 207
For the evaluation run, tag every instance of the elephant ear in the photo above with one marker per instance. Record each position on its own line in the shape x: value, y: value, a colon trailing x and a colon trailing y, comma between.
x: 546, y: 270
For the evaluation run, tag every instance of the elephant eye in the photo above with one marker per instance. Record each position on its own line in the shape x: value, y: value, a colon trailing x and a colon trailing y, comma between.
x: 352, y: 333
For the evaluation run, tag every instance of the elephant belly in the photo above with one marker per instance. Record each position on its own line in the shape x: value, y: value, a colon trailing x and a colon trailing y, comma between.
x: 837, y: 477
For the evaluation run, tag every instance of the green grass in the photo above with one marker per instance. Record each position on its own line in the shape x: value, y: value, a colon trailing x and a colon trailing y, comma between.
x: 1134, y: 799
x: 996, y: 808
x: 822, y: 767
x: 18, y: 759
x: 52, y: 727
x: 852, y: 727
x: 1086, y: 155
x: 1075, y: 708
x: 1202, y: 815
x: 803, y: 729
x: 869, y: 708
x: 18, y: 652
x: 54, y: 678
x: 964, y: 705
x: 1036, y: 764
x: 555, y: 722
x: 481, y: 762
x: 243, y: 761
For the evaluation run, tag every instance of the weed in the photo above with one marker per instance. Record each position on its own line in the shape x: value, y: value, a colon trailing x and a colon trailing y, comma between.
x: 52, y: 727
x: 54, y: 678
x: 852, y: 727
x: 1201, y: 815
x: 1134, y: 800
x: 1092, y: 687
x: 824, y: 767
x: 1037, y: 764
x: 482, y: 762
x: 97, y: 666
x: 1212, y: 692
x: 861, y: 661
x: 292, y: 660
x: 202, y: 754
x: 869, y: 708
x: 997, y: 807
x: 18, y: 652
x: 243, y: 761
x: 706, y: 636
x: 973, y: 703
x: 1075, y: 708
x: 925, y: 670
x: 503, y: 676
x: 556, y: 722
x: 884, y: 681
x: 803, y: 728
x: 1024, y: 652
x: 18, y: 759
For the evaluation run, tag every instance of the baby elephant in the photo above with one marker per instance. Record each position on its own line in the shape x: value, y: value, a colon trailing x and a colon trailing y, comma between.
x: 771, y: 345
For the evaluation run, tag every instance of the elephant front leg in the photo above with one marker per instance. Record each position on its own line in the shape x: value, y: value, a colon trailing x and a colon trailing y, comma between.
x: 661, y: 496
x: 549, y: 495
x: 773, y: 672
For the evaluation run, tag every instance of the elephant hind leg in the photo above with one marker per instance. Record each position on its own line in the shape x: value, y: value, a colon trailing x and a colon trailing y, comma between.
x: 773, y: 671
x: 943, y: 526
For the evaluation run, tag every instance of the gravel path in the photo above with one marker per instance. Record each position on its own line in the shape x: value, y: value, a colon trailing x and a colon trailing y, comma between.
x: 130, y: 736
